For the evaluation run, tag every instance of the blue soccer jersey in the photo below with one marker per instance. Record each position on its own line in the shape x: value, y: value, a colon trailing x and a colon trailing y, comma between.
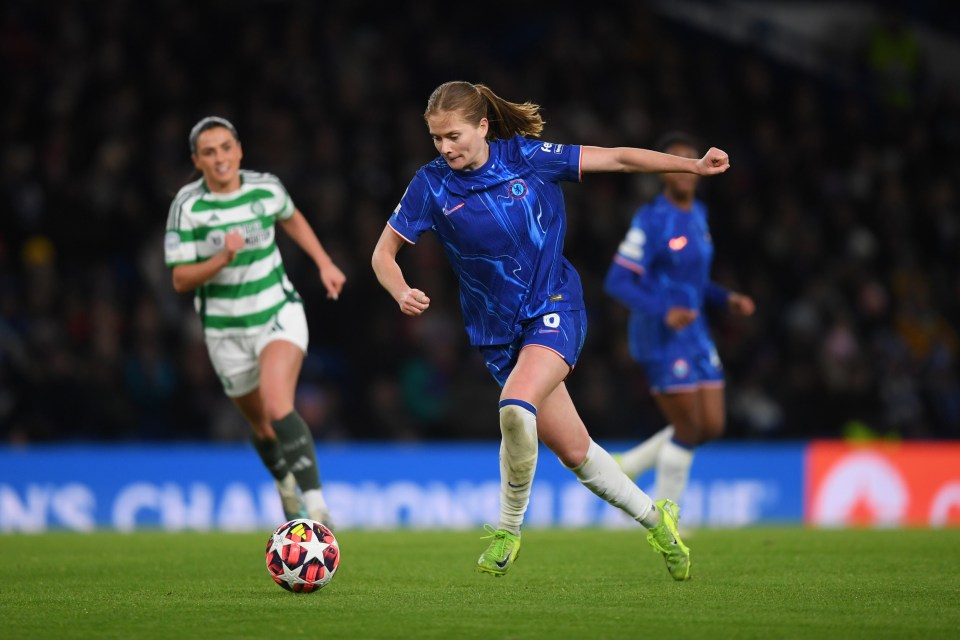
x: 502, y: 227
x: 664, y: 261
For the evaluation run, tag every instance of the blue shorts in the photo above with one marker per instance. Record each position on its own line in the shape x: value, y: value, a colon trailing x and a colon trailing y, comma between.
x: 563, y: 332
x: 684, y: 372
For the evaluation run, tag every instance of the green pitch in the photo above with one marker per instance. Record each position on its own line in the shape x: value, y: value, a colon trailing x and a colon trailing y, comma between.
x: 753, y: 583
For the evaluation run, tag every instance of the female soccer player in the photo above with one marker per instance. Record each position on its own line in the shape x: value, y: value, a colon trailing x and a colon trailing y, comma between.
x: 220, y: 242
x: 494, y: 200
x: 661, y: 272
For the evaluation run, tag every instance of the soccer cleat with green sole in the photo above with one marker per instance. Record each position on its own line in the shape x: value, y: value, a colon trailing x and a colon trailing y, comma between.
x: 665, y: 539
x: 500, y: 555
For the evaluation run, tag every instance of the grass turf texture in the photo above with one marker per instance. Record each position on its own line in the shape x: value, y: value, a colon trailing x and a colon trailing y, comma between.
x: 751, y: 583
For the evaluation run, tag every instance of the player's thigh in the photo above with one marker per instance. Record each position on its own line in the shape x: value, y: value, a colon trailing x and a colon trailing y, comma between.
x: 280, y: 364
x: 710, y: 380
x: 548, y: 351
x: 682, y: 410
x: 714, y: 410
x: 561, y: 428
x: 280, y: 349
x: 535, y: 376
x: 235, y: 361
x: 251, y: 406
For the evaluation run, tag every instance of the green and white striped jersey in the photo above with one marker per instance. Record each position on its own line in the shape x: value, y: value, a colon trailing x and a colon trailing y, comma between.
x: 245, y: 295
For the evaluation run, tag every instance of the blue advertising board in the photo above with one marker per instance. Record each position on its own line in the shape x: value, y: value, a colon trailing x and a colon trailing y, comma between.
x: 368, y: 486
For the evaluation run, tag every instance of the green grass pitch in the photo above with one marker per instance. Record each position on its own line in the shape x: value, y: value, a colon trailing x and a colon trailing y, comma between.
x: 749, y: 583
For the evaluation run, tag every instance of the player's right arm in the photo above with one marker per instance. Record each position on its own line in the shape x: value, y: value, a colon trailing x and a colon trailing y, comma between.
x: 187, y: 277
x: 413, y: 302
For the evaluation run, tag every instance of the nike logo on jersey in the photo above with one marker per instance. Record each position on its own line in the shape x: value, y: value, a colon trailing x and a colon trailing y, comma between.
x: 678, y: 243
x: 447, y: 211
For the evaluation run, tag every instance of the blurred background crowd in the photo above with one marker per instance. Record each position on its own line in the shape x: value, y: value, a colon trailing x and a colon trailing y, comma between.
x: 839, y: 215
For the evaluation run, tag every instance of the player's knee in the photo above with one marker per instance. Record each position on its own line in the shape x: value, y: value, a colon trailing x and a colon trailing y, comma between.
x: 511, y: 418
x: 263, y: 430
x: 518, y: 426
x: 573, y: 452
x: 571, y: 457
x: 274, y: 411
x: 687, y: 433
x: 712, y: 429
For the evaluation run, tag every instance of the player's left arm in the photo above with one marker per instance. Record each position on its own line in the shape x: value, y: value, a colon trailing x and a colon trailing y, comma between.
x: 412, y: 302
x: 636, y: 160
x: 741, y: 304
x: 299, y: 230
x: 736, y: 303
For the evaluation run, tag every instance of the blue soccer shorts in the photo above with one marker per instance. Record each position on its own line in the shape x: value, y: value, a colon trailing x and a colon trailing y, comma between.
x: 563, y: 332
x: 684, y: 371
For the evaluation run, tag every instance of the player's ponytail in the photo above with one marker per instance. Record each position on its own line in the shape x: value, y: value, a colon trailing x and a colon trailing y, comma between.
x: 476, y: 101
x: 508, y: 119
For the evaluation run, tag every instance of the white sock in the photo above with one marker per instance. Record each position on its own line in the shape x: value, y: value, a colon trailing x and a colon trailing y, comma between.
x: 518, y: 461
x: 673, y: 471
x: 316, y: 506
x: 643, y: 457
x: 600, y: 473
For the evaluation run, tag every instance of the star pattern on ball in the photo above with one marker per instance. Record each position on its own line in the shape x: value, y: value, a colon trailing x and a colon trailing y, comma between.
x: 279, y: 542
x: 291, y: 576
x: 314, y: 548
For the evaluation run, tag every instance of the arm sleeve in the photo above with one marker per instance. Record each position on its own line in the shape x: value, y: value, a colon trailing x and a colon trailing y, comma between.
x: 554, y: 161
x: 286, y: 203
x: 629, y: 279
x: 636, y: 291
x: 716, y: 296
x: 414, y: 214
x: 179, y: 244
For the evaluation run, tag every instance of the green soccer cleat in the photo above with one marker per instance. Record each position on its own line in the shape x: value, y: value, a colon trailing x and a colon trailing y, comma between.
x: 665, y: 539
x: 499, y: 556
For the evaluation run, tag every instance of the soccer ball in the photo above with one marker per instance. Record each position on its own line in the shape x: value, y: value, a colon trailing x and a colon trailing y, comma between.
x: 302, y: 555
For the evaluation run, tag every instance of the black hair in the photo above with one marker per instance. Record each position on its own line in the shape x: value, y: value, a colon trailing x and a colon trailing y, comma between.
x: 671, y: 138
x: 209, y: 122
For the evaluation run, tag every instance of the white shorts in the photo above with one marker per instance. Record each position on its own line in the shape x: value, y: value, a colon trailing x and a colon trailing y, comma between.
x: 236, y: 359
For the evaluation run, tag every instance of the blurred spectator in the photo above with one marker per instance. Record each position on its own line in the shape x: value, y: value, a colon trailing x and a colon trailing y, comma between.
x: 894, y: 60
x: 852, y: 260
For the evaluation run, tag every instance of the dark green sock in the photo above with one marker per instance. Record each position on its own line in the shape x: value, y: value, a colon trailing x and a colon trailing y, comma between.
x: 298, y: 448
x: 272, y: 456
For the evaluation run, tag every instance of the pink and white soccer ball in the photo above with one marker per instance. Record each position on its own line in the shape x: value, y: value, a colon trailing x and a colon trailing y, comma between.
x: 302, y: 555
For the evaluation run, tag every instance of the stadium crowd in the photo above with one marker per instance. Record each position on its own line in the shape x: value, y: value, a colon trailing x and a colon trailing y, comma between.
x: 839, y: 215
